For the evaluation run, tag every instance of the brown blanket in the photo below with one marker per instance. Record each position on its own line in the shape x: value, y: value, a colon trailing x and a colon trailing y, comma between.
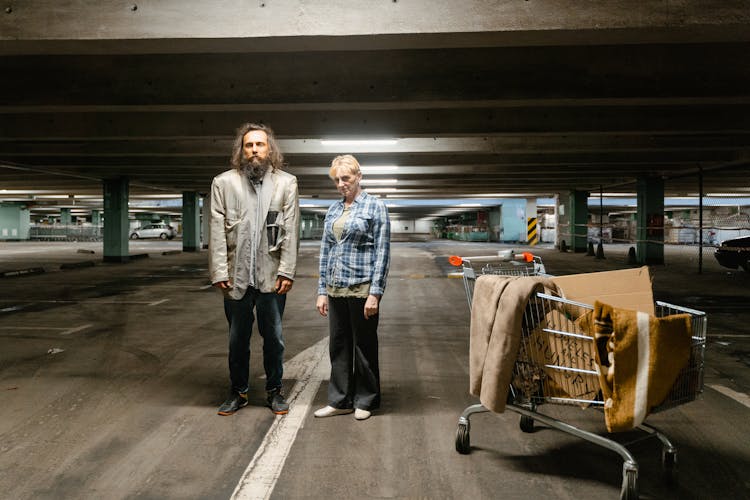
x: 640, y: 357
x: 496, y: 313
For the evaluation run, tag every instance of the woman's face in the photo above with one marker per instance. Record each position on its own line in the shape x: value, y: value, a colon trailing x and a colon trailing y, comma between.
x: 347, y: 183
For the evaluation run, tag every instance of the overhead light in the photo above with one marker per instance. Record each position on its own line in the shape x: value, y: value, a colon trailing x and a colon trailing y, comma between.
x: 358, y: 142
x: 378, y: 181
x: 470, y: 205
x: 382, y: 190
x: 374, y: 169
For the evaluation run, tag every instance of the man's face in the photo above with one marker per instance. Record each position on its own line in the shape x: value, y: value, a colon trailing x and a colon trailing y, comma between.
x: 255, y: 146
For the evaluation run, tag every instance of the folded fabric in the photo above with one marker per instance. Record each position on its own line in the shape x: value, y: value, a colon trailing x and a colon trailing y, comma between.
x: 496, y: 314
x: 639, y: 358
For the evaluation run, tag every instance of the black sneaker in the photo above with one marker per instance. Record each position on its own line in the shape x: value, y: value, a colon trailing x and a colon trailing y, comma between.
x: 234, y: 402
x: 277, y: 403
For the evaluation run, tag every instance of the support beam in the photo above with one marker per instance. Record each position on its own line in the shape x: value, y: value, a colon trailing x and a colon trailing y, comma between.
x: 650, y: 220
x: 191, y: 229
x: 579, y: 218
x: 116, y: 241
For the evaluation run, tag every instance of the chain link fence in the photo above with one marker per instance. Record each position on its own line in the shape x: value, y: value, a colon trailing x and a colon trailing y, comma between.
x: 61, y: 232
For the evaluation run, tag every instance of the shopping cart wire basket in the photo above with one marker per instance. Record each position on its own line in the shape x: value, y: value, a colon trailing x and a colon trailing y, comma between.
x: 556, y: 365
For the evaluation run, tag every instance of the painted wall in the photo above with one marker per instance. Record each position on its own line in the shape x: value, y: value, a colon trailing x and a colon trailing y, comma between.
x: 14, y: 222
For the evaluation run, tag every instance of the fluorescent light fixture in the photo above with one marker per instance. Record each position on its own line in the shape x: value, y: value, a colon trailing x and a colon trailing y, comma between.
x: 374, y: 169
x: 378, y: 181
x: 470, y: 205
x: 358, y: 142
x: 382, y: 190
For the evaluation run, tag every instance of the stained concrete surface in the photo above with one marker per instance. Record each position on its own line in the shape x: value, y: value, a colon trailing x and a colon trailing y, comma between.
x: 110, y: 377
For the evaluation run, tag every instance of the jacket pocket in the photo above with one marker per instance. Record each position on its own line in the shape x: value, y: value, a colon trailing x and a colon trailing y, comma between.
x: 231, y: 228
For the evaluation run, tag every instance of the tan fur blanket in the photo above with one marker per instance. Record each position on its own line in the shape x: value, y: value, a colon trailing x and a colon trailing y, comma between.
x: 640, y: 357
x: 496, y: 313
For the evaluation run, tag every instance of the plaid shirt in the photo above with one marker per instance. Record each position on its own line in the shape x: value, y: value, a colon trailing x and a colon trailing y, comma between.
x: 364, y: 252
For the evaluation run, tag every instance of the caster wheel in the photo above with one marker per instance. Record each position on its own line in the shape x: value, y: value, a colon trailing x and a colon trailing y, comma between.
x: 630, y: 486
x: 526, y: 424
x: 669, y: 466
x: 463, y: 444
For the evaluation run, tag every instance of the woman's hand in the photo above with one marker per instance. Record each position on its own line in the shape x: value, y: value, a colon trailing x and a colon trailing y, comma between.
x: 371, y: 306
x: 322, y: 305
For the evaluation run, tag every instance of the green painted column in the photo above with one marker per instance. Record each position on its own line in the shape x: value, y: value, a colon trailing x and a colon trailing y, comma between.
x: 65, y: 218
x: 191, y: 229
x: 116, y: 220
x: 650, y: 221
x: 96, y: 218
x: 579, y: 219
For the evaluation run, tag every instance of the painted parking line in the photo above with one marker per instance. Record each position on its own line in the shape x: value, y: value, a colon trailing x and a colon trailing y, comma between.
x: 740, y: 397
x: 64, y: 331
x: 310, y: 368
x: 158, y: 302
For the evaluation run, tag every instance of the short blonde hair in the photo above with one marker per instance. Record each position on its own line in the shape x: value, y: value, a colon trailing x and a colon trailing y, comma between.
x: 346, y: 162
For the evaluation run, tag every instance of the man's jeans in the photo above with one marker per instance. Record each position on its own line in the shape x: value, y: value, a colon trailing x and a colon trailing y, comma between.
x: 269, y: 308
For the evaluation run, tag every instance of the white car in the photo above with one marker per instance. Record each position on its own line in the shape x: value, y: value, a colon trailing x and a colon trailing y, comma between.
x: 162, y: 231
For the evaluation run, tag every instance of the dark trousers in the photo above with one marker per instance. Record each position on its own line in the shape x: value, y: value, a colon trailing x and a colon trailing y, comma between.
x: 269, y: 308
x: 355, y: 374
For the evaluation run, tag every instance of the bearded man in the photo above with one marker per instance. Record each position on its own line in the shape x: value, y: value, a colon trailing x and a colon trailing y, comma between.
x: 253, y: 244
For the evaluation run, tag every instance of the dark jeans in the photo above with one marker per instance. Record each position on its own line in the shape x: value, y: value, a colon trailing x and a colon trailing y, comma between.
x: 269, y: 308
x: 355, y: 374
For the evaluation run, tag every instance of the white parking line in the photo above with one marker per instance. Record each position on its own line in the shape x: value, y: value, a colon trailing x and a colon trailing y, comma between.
x: 65, y: 331
x: 76, y: 329
x: 740, y: 397
x: 158, y: 302
x: 311, y: 367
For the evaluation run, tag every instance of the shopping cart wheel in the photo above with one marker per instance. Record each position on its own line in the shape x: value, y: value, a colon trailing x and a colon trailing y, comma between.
x: 526, y: 424
x: 629, y: 485
x: 669, y: 465
x: 463, y: 441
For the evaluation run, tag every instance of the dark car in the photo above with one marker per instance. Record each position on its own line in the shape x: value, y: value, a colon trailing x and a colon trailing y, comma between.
x: 735, y: 252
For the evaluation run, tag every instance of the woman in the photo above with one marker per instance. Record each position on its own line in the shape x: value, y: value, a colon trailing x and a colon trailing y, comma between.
x: 354, y: 259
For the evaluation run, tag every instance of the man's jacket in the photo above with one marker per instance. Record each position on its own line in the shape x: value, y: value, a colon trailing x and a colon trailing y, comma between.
x: 277, y: 224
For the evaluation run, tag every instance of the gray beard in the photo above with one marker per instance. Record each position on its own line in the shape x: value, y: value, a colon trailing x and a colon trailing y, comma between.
x: 255, y: 169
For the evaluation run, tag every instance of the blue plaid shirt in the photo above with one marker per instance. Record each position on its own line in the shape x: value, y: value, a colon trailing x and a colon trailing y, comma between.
x: 364, y: 252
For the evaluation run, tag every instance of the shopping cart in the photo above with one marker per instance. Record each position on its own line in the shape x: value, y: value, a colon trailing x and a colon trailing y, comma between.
x: 555, y: 365
x: 505, y: 262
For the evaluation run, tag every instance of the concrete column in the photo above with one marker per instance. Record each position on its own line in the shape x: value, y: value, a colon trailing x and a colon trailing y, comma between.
x: 514, y: 220
x: 15, y: 220
x: 96, y: 218
x: 579, y: 218
x: 116, y: 228
x: 65, y: 218
x: 205, y: 219
x: 650, y: 221
x: 190, y: 222
x: 533, y: 232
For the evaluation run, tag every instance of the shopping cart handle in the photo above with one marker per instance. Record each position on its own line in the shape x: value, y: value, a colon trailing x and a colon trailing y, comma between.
x: 458, y: 261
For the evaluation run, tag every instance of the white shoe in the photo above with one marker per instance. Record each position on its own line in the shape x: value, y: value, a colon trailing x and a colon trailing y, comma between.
x: 330, y: 411
x: 361, y: 414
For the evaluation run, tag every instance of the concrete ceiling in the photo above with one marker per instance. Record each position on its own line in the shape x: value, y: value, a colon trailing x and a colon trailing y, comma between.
x: 486, y: 99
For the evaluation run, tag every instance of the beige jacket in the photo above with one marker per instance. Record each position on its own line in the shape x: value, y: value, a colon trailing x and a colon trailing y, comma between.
x: 229, y: 240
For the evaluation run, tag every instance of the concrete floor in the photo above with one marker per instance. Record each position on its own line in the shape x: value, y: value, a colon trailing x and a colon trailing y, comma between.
x: 110, y: 377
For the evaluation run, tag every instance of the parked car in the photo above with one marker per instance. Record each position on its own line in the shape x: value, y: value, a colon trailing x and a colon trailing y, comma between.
x: 163, y: 231
x: 735, y: 252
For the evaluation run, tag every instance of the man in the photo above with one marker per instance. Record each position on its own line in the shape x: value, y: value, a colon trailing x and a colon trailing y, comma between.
x: 254, y: 238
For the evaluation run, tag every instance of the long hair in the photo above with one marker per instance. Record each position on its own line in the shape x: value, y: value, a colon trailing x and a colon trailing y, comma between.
x: 275, y: 155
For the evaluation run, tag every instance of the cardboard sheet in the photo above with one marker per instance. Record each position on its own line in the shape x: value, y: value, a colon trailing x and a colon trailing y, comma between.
x: 625, y: 288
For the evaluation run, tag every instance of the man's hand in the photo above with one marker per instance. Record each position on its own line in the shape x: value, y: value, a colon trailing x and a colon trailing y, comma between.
x: 283, y: 285
x: 224, y: 285
x: 322, y: 305
x: 371, y: 306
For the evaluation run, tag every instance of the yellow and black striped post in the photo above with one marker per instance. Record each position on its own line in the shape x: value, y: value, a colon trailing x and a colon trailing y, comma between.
x: 532, y: 236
